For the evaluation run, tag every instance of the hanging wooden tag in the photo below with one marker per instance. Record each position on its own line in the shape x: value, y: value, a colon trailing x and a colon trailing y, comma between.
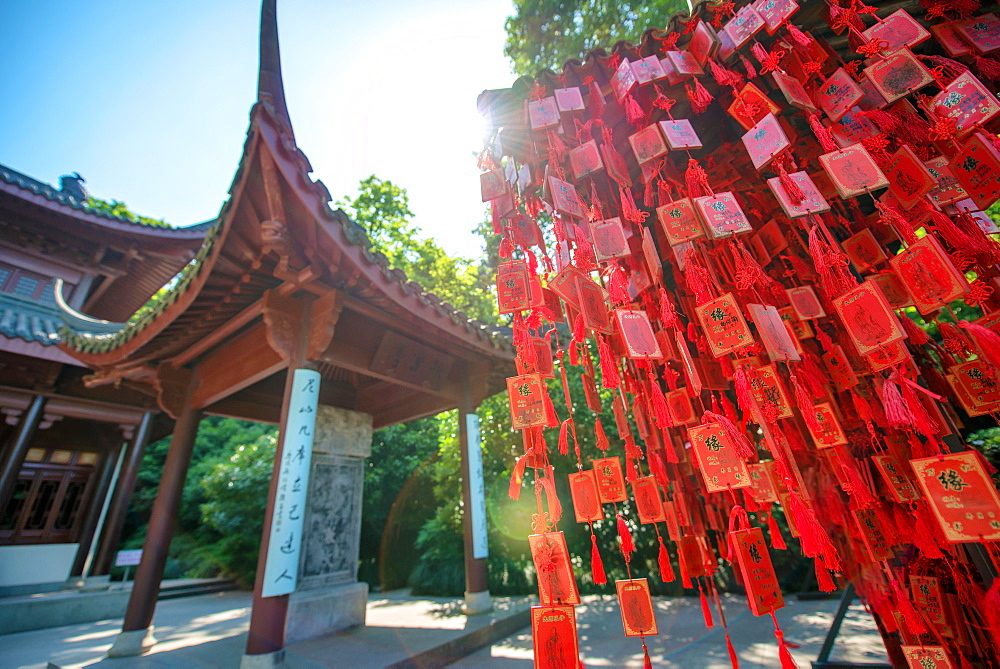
x: 585, y: 159
x: 765, y: 140
x: 685, y: 64
x: 890, y: 355
x: 839, y: 369
x: 553, y: 634
x: 679, y: 221
x: 590, y: 393
x: 863, y: 250
x: 527, y: 401
x: 830, y: 432
x: 961, y: 494
x: 967, y: 102
x: 852, y: 128
x: 896, y: 480
x: 569, y: 99
x: 929, y: 275
x: 867, y: 318
x: 647, y: 500
x: 909, y: 179
x: 775, y: 13
x: 929, y: 600
x: 853, y: 171
x: 744, y: 25
x: 556, y: 583
x: 648, y: 69
x: 763, y: 591
x: 636, y: 607
x: 513, y: 288
x: 892, y: 288
x: 609, y: 239
x: 704, y: 42
x: 812, y: 202
x: 805, y: 302
x: 838, y: 94
x: 762, y: 483
x: 679, y: 405
x: 896, y: 31
x: 773, y: 333
x: 979, y: 384
x: 610, y: 481
x: 695, y: 383
x: 926, y: 657
x: 564, y: 284
x: 872, y: 534
x: 982, y: 32
x: 768, y: 391
x: 648, y: 144
x: 673, y: 524
x: 637, y: 333
x: 948, y: 37
x: 718, y: 461
x: 565, y: 199
x: 794, y: 92
x: 543, y: 113
x: 751, y: 105
x: 543, y: 360
x: 593, y: 306
x: 723, y: 325
x: 586, y: 503
x: 771, y: 238
x: 492, y: 184
x: 977, y: 168
x: 898, y: 74
x: 722, y: 215
x: 623, y: 80
x: 680, y: 135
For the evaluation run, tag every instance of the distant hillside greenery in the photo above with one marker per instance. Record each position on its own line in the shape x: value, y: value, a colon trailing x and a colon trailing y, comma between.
x: 121, y: 210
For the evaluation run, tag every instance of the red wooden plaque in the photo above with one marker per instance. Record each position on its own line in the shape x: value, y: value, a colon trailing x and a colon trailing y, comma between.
x: 967, y: 102
x: 764, y: 141
x: 647, y: 500
x: 593, y: 305
x: 839, y: 369
x: 569, y: 99
x: 763, y: 591
x: 543, y: 113
x: 703, y: 42
x: 720, y: 466
x: 610, y: 481
x: 896, y: 31
x: 685, y: 64
x: 670, y: 517
x: 977, y: 168
x: 564, y: 284
x: 892, y: 288
x: 680, y: 135
x: 794, y: 92
x: 898, y: 74
x: 838, y: 94
x: 979, y: 383
x: 853, y: 171
x: 623, y: 80
x: 585, y: 159
x: 553, y: 635
x: 982, y: 32
x: 852, y: 129
x: 805, y: 303
x: 679, y: 404
x: 492, y: 184
x: 751, y: 105
x: 636, y: 606
x: 556, y: 584
x: 586, y: 502
x: 929, y: 600
x: 609, y: 239
x: 775, y: 12
x: 637, y: 333
x: 813, y: 201
x: 873, y: 534
x: 909, y: 179
x: 744, y: 25
x: 867, y: 318
x: 724, y: 326
x: 768, y: 391
x: 513, y: 287
x: 887, y: 356
x: 926, y: 657
x: 648, y: 144
x: 722, y: 215
x: 863, y: 250
x: 830, y: 432
x: 762, y: 482
x: 948, y: 36
x: 679, y: 221
x: 564, y: 198
x: 896, y: 479
x: 773, y: 333
x: 929, y: 275
x: 961, y: 495
x: 648, y: 69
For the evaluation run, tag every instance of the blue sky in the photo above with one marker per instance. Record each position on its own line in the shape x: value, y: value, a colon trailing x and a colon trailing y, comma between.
x: 148, y: 101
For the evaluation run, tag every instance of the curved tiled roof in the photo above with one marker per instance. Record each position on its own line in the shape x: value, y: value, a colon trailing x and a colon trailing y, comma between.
x: 29, y: 320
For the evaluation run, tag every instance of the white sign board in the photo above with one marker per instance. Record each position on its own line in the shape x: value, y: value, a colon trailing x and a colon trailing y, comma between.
x: 281, y: 571
x: 128, y: 558
x: 477, y: 490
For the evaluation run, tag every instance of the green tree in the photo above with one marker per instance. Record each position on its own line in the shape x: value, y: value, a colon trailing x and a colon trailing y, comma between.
x: 121, y: 210
x: 545, y: 33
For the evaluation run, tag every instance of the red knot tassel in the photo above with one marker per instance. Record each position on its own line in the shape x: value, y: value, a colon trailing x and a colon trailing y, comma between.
x: 564, y: 437
x: 596, y: 563
x: 823, y: 579
x: 667, y: 574
x: 516, y: 476
x: 626, y: 536
x: 599, y: 436
x: 733, y: 658
x: 777, y: 540
x: 705, y: 610
x: 646, y: 664
x: 609, y: 370
x: 787, y: 661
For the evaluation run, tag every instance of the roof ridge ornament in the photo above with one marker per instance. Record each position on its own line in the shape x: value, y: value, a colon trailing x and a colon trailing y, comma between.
x: 270, y: 86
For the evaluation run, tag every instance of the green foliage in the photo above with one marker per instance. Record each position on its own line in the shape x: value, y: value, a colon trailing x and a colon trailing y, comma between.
x: 545, y: 33
x: 383, y: 209
x: 988, y: 443
x: 121, y: 210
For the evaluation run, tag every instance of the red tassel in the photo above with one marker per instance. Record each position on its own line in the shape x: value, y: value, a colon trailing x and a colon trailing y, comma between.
x: 823, y: 579
x: 914, y: 332
x: 617, y: 165
x: 630, y: 472
x: 668, y: 316
x: 777, y: 540
x: 806, y: 406
x: 667, y: 574
x: 987, y: 67
x: 596, y: 563
x: 618, y: 286
x: 986, y: 340
x: 699, y: 97
x: 823, y: 134
x: 748, y: 66
x: 990, y: 609
x: 630, y: 211
x: 660, y: 409
x: 548, y: 485
x: 626, y: 537
x: 696, y: 179
x: 646, y: 664
x: 516, y: 477
x: 744, y: 448
x: 785, y: 655
x: 600, y: 437
x: 895, y: 409
x: 705, y: 610
x: 609, y: 368
x: 733, y: 658
x: 797, y: 35
x: 633, y: 112
x: 791, y: 187
x: 564, y: 437
x: 913, y: 619
x: 813, y: 537
x: 596, y: 98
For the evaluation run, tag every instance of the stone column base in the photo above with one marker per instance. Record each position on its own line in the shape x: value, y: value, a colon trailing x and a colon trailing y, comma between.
x: 95, y: 583
x: 135, y: 642
x: 477, y: 602
x: 321, y: 611
x: 264, y: 661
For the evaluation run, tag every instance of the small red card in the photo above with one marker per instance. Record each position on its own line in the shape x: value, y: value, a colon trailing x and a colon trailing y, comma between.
x: 609, y: 239
x: 763, y: 591
x: 680, y: 134
x: 679, y: 404
x: 768, y: 391
x: 838, y: 94
x: 685, y: 64
x: 679, y: 221
x: 775, y: 12
x: 492, y: 184
x: 961, y: 495
x: 648, y: 69
x: 863, y: 250
x: 744, y: 25
x: 896, y: 31
x: 593, y: 305
x: 564, y: 284
x: 929, y: 275
x: 623, y: 80
x: 794, y: 92
x: 893, y: 289
x: 982, y: 32
x: 586, y: 503
x: 564, y: 198
x: 977, y: 168
x: 513, y: 287
x: 898, y: 74
x: 703, y: 42
x: 852, y: 129
x: 853, y: 171
x: 867, y: 317
x: 636, y: 606
x: 528, y: 406
x: 724, y: 326
x: 647, y: 500
x: 948, y: 36
x: 807, y: 306
x: 813, y: 201
x: 610, y: 481
x: 751, y: 105
x: 890, y: 355
x: 839, y: 368
x: 926, y: 657
x: 762, y: 482
x: 554, y: 569
x: 673, y: 524
x: 830, y: 432
x: 896, y: 479
x: 722, y: 215
x: 909, y: 179
x: 765, y: 140
x: 568, y: 99
x: 773, y: 333
x: 873, y: 535
x: 771, y: 238
x: 978, y: 381
x: 637, y: 333
x: 543, y: 113
x: 648, y: 144
x: 553, y: 634
x: 929, y: 600
x: 966, y: 101
x: 720, y: 466
x: 585, y: 159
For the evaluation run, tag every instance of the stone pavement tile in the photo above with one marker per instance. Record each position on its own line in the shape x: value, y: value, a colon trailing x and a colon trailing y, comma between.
x: 685, y: 642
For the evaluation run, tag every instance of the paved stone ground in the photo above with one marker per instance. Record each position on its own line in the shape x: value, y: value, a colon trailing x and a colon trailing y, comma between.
x: 210, y: 631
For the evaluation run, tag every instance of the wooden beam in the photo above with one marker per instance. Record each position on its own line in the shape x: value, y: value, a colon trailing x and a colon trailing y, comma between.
x: 221, y: 333
x: 238, y: 364
x: 417, y: 407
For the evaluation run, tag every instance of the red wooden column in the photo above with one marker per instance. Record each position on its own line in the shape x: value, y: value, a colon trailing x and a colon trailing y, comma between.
x: 137, y: 632
x: 477, y: 594
x: 10, y: 465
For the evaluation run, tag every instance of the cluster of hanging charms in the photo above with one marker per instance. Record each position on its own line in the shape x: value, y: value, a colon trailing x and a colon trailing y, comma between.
x: 772, y: 257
